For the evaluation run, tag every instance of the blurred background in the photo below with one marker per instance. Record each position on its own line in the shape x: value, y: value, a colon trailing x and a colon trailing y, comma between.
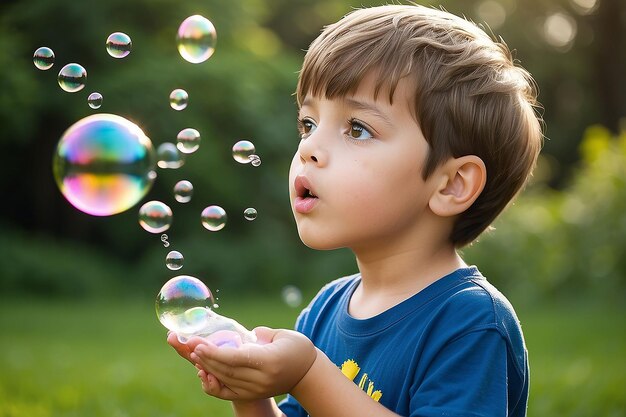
x: 78, y: 333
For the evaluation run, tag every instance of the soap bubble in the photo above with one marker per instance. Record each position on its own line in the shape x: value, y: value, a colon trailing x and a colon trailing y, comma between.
x: 164, y: 238
x: 72, y: 77
x: 43, y: 58
x: 178, y: 99
x: 255, y: 160
x: 94, y: 100
x: 250, y: 213
x: 118, y: 45
x: 196, y: 39
x: 174, y: 260
x: 188, y: 140
x: 184, y: 306
x: 104, y: 164
x: 183, y: 190
x: 155, y: 216
x: 292, y: 296
x: 213, y: 218
x: 242, y: 151
x: 169, y: 156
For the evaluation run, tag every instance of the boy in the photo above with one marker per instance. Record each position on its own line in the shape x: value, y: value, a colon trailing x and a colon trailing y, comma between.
x: 416, y: 131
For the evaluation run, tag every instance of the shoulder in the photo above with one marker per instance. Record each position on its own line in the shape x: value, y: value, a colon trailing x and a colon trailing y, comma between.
x: 476, y: 305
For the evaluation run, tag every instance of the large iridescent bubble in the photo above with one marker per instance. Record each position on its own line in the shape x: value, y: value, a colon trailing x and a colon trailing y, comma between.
x: 196, y: 39
x: 184, y: 305
x: 104, y: 164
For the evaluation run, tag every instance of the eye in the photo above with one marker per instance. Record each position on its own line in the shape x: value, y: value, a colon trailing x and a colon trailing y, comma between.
x: 359, y: 131
x: 306, y: 126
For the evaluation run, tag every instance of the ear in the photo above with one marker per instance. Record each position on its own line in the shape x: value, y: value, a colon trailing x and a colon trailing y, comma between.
x: 461, y: 180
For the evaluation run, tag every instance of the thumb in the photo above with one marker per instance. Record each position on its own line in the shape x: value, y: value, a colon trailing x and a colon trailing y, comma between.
x: 265, y: 334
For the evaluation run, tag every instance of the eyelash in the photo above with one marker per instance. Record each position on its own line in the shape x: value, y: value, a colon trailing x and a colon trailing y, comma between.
x: 352, y: 122
x: 355, y: 122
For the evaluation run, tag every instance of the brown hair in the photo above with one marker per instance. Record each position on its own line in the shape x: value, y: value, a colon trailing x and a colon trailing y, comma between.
x: 470, y: 96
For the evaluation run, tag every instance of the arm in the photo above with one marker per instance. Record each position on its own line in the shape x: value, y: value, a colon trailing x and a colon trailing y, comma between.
x: 287, y: 363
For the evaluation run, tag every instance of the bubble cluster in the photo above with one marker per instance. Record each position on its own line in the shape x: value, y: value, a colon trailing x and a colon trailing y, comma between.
x: 213, y: 218
x: 196, y: 39
x: 94, y: 100
x: 179, y: 99
x: 242, y: 151
x: 155, y: 216
x: 174, y: 260
x: 249, y: 214
x: 255, y: 160
x: 188, y: 140
x: 43, y: 58
x: 166, y: 242
x: 104, y: 164
x: 72, y: 77
x: 169, y: 156
x: 183, y: 190
x: 118, y: 45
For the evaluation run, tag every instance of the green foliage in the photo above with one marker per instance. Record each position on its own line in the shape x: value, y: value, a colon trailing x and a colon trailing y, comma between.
x: 570, y: 242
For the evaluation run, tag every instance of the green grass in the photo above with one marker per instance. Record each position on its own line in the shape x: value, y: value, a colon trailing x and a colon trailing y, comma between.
x: 111, y: 360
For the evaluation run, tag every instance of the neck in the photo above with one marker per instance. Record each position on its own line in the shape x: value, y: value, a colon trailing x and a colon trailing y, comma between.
x: 392, y: 275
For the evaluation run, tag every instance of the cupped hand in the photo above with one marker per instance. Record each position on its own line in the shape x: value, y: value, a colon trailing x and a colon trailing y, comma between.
x: 273, y: 366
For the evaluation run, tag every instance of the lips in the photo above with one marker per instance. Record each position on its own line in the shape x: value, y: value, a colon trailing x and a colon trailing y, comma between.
x: 305, y: 199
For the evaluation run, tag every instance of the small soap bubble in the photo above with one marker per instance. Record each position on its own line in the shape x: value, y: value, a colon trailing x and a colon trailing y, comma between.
x: 249, y: 213
x: 174, y: 260
x: 155, y: 216
x: 94, y: 100
x: 164, y: 238
x: 292, y: 296
x: 183, y: 190
x: 213, y: 218
x: 43, y: 58
x: 104, y: 164
x: 196, y: 39
x: 118, y: 45
x: 242, y: 151
x: 183, y: 304
x: 188, y: 140
x: 72, y: 78
x: 169, y: 156
x: 179, y: 99
x: 255, y: 160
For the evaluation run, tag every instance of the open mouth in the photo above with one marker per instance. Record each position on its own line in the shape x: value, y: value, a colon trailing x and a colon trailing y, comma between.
x: 303, y: 188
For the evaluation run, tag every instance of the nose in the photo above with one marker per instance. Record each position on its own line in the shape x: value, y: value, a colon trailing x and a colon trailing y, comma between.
x: 311, y: 150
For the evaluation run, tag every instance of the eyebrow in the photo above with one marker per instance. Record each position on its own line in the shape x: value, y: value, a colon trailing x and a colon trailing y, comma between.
x: 359, y: 105
x: 370, y: 108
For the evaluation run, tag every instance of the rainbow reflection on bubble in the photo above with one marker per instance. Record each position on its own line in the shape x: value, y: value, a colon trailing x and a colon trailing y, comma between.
x: 104, y: 164
x: 43, y: 58
x: 196, y: 39
x: 118, y: 45
x: 72, y: 77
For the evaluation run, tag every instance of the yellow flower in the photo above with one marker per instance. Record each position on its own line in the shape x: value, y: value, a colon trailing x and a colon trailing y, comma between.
x: 350, y: 368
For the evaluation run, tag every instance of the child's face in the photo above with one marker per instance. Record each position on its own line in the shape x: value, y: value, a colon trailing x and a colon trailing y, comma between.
x: 355, y: 180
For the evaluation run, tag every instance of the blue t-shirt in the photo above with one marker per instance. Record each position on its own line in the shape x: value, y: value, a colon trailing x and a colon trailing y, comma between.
x: 453, y: 349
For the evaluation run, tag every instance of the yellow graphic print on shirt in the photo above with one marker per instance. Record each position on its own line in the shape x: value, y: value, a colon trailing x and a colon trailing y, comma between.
x: 350, y: 369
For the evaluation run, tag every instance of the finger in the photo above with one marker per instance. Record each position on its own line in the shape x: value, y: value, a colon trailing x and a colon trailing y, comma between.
x: 182, y: 349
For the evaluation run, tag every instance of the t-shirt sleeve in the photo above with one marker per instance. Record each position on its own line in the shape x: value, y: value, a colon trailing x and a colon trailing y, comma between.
x: 467, y: 377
